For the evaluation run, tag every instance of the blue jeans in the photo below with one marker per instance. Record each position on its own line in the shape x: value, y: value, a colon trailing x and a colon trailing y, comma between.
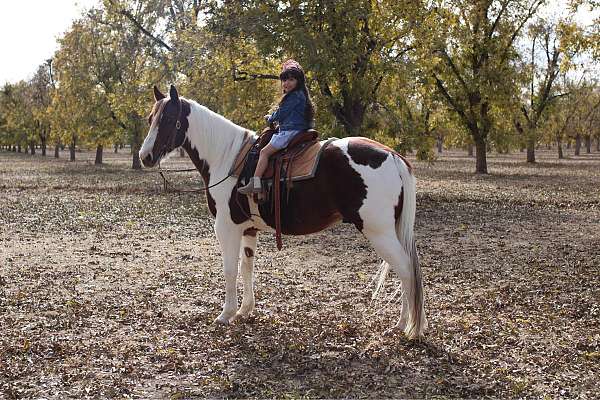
x: 281, y: 139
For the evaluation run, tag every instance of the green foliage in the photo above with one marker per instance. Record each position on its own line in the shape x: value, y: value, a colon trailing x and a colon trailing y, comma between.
x: 18, y: 117
x: 403, y: 72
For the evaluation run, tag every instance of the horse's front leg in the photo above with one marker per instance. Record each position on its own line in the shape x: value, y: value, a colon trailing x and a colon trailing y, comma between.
x: 247, y: 252
x: 229, y: 236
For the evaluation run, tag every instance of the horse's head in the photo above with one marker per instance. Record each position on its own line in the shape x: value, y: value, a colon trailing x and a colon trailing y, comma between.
x: 168, y: 126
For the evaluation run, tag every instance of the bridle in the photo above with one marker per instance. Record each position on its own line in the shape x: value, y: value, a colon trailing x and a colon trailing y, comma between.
x: 171, y: 143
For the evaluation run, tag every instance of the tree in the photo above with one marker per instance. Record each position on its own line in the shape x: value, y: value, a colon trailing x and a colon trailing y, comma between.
x: 18, y: 116
x: 542, y: 78
x: 473, y: 67
x: 103, y: 74
x: 41, y: 97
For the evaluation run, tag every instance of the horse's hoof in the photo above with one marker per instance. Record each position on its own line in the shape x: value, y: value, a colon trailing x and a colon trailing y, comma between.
x: 221, y: 320
x: 401, y: 325
x: 237, y: 318
x: 240, y: 316
x: 243, y: 313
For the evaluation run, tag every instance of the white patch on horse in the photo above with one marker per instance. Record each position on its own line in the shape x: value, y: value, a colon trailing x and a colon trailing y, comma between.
x: 148, y: 144
x: 384, y: 186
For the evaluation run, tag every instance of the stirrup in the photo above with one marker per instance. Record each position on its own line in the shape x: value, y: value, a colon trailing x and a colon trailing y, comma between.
x: 249, y: 188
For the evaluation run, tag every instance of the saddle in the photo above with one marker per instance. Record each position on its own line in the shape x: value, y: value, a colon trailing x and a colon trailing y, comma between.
x: 298, y: 161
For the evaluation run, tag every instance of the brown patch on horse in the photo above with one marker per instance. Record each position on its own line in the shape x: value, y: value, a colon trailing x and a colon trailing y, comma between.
x: 248, y: 252
x: 204, y: 169
x: 250, y: 232
x: 363, y: 152
x: 335, y: 193
x: 398, y: 207
x: 362, y: 142
x: 239, y: 207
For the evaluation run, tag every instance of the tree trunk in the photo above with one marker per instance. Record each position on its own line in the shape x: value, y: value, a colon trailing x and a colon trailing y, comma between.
x: 72, y: 149
x: 98, y: 160
x: 135, y: 148
x: 440, y: 144
x: 530, y: 150
x: 32, y: 146
x: 588, y: 144
x: 44, y: 146
x: 56, y: 150
x: 18, y: 148
x: 470, y: 151
x: 181, y: 152
x: 560, y: 149
x: 598, y: 144
x: 480, y: 156
x: 577, y: 144
x: 116, y: 148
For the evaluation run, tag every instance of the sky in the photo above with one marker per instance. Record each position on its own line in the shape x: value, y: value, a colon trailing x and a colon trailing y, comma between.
x: 28, y: 32
x: 29, y: 29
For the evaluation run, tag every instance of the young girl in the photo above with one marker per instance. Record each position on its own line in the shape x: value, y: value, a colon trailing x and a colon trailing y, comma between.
x: 294, y: 114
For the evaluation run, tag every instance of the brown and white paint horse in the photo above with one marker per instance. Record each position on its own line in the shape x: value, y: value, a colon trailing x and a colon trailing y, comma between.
x: 358, y: 181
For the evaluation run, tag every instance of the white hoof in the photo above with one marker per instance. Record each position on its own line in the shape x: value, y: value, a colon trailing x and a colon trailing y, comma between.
x: 222, y: 320
x: 401, y: 325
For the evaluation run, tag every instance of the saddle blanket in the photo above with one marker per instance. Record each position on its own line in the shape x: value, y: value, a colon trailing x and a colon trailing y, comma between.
x: 304, y: 166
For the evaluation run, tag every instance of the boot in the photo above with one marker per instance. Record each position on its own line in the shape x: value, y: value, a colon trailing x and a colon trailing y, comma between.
x: 252, y: 187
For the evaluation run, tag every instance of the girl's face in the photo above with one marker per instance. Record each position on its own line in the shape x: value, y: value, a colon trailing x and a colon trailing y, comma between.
x: 289, y: 84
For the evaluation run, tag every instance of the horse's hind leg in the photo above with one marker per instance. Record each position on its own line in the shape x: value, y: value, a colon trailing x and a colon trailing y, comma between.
x: 247, y: 252
x: 388, y: 247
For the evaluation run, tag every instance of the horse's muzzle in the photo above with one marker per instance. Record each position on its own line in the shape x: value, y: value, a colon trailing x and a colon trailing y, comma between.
x: 148, y: 161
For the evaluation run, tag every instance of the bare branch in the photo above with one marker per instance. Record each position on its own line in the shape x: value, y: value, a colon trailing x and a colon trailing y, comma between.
x: 134, y: 21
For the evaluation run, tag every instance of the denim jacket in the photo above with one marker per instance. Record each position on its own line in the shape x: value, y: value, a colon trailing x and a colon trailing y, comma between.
x: 290, y: 113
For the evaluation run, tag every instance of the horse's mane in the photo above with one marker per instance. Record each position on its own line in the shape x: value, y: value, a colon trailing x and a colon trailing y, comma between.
x: 213, y: 131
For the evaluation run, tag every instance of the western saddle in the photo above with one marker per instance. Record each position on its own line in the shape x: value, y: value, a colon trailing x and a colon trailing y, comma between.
x: 279, y: 171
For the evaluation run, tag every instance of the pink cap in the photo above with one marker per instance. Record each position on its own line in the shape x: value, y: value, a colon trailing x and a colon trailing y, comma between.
x: 290, y: 64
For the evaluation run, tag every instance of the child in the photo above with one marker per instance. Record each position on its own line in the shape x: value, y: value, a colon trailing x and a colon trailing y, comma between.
x: 294, y: 114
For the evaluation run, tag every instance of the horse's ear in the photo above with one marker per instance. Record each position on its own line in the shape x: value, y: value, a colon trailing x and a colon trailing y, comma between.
x: 157, y: 94
x: 173, y: 93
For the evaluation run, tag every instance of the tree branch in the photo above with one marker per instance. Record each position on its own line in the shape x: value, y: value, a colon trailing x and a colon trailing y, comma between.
x: 459, y: 110
x: 454, y: 69
x: 134, y: 21
x: 246, y: 76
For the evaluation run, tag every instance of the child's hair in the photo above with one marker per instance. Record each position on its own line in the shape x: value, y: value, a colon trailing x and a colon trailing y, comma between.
x: 296, y: 72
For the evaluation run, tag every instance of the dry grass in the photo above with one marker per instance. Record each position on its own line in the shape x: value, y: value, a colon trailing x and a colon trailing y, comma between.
x: 108, y: 287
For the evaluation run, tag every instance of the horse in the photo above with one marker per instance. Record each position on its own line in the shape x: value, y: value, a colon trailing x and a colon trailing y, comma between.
x: 357, y: 181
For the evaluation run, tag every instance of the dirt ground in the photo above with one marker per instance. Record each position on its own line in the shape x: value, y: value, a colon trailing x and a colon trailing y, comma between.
x: 108, y: 289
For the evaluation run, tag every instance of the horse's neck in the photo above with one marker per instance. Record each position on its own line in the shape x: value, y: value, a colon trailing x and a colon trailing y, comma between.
x: 216, y: 139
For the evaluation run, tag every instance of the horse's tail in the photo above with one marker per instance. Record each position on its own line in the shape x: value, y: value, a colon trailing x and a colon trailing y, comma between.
x: 405, y: 224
